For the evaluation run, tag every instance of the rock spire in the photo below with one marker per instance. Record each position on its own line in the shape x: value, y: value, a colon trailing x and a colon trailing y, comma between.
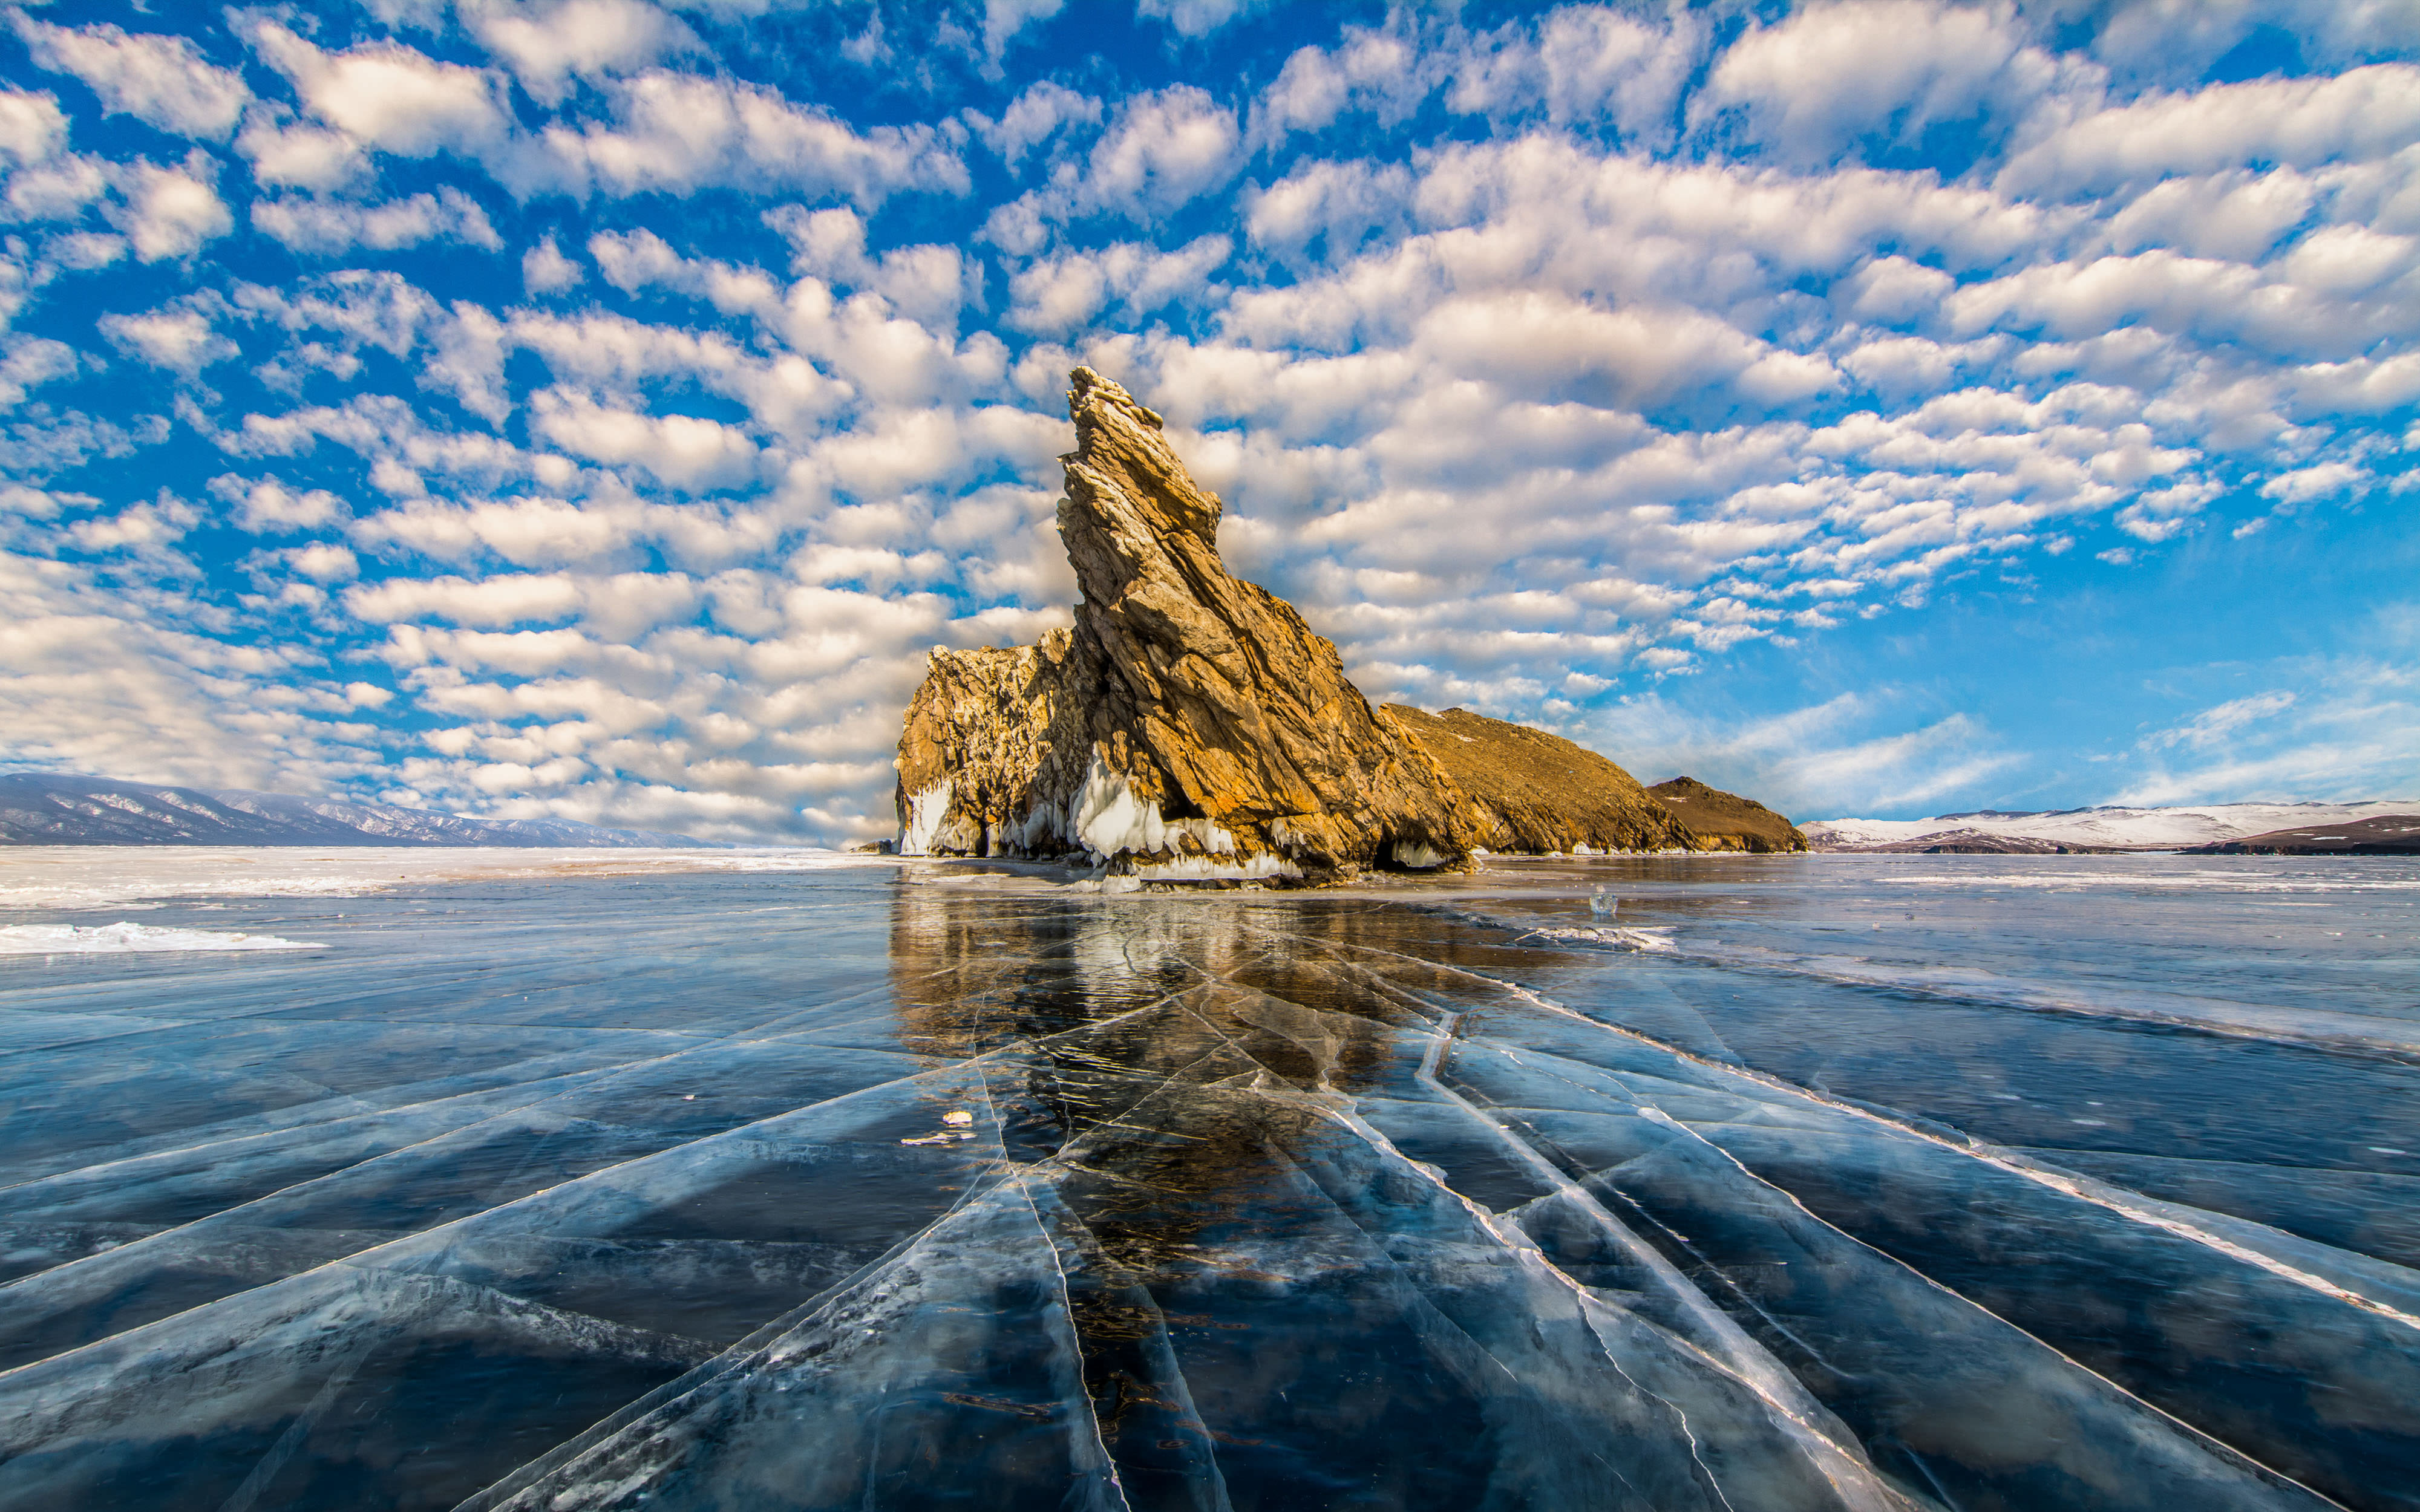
x: 1190, y: 725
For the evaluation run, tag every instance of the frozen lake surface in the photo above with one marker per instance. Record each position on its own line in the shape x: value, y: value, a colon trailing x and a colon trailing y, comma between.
x: 1969, y: 1182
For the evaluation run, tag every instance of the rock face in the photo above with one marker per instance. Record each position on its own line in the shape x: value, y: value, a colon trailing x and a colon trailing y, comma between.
x: 1725, y: 821
x: 1537, y: 792
x: 1190, y: 725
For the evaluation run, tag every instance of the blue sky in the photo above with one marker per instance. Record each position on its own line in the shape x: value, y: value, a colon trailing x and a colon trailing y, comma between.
x: 596, y: 408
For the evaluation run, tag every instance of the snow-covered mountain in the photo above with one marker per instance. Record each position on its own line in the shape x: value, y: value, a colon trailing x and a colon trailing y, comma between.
x: 2115, y: 828
x: 53, y: 809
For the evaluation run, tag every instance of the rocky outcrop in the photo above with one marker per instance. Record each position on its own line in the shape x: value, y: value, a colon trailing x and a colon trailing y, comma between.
x: 1725, y: 821
x: 1536, y: 791
x: 1190, y: 725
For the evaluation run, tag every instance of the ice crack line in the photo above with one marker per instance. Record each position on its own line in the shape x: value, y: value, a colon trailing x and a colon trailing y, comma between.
x: 1749, y: 1363
x: 2057, y: 1181
x: 530, y: 1199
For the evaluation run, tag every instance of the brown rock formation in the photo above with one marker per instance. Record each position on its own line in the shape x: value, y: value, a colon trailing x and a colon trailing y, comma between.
x: 1725, y: 821
x: 1190, y: 725
x: 1537, y: 792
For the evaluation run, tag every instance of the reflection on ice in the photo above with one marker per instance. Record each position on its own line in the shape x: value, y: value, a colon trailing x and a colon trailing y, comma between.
x: 827, y: 1191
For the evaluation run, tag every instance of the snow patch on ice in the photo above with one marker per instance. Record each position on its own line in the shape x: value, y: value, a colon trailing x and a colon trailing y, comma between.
x: 120, y: 876
x: 122, y: 938
x: 1655, y: 940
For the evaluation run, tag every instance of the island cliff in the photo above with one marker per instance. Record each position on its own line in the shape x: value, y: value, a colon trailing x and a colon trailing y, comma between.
x: 1725, y: 821
x: 1192, y: 726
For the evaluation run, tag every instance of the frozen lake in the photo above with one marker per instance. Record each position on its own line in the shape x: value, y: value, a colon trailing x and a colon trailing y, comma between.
x: 1955, y: 1183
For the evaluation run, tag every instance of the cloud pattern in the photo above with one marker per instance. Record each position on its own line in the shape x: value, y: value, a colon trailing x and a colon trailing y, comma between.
x: 595, y: 409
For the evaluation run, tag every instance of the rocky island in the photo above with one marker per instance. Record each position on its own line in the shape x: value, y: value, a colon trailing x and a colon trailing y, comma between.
x: 1190, y: 726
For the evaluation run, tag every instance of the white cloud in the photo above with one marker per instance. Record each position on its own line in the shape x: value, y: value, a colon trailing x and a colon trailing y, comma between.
x: 469, y: 363
x: 2237, y: 215
x: 181, y: 340
x: 389, y: 97
x: 2348, y: 259
x: 546, y: 271
x: 528, y: 533
x: 32, y: 126
x: 519, y: 599
x: 548, y: 44
x: 1820, y: 762
x: 95, y: 679
x: 1057, y: 296
x: 2339, y: 727
x: 1004, y: 18
x: 673, y: 132
x: 28, y: 362
x: 2219, y: 723
x: 1197, y: 18
x: 324, y: 561
x: 162, y: 81
x: 265, y: 506
x: 2359, y: 114
x: 301, y: 157
x: 1163, y: 149
x: 2304, y: 485
x: 928, y: 284
x: 366, y: 307
x: 1033, y: 116
x: 1337, y: 204
x: 328, y: 227
x: 1820, y: 78
x: 169, y: 212
x: 1893, y: 291
x: 1582, y: 66
x: 1533, y: 343
x: 2164, y: 514
x: 1380, y: 72
x: 684, y: 452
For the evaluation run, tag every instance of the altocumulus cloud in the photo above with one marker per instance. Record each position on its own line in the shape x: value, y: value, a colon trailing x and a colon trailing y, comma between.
x: 597, y: 407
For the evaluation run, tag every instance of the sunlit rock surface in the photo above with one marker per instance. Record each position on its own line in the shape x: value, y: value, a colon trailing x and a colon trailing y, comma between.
x: 1725, y: 821
x: 1191, y: 725
x: 1538, y: 793
x: 2036, y: 1192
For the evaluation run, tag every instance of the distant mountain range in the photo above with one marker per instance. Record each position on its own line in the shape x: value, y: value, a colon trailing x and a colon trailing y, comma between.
x: 2281, y: 827
x: 51, y: 808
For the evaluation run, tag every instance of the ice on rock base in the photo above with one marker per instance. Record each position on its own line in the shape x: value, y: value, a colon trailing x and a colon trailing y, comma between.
x: 925, y: 812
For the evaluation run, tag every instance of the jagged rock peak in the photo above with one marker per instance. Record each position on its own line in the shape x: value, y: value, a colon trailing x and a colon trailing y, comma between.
x: 1189, y: 725
x: 1120, y: 452
x: 1193, y: 724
